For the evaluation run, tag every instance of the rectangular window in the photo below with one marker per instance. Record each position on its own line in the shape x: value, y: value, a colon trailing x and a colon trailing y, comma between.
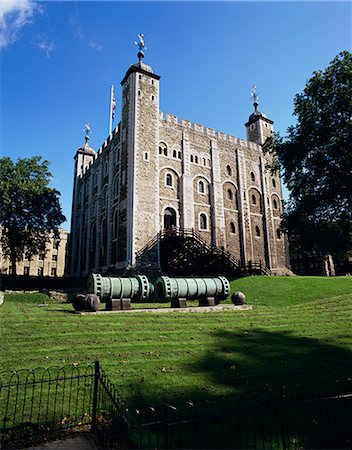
x: 54, y: 257
x: 40, y: 271
x: 26, y: 270
x: 53, y: 272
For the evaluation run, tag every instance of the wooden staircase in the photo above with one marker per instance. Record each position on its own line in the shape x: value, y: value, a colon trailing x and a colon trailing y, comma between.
x: 183, y: 252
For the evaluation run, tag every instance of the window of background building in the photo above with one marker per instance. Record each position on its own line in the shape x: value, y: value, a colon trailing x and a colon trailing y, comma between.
x: 54, y: 257
x: 26, y: 270
x: 53, y: 272
x: 40, y: 271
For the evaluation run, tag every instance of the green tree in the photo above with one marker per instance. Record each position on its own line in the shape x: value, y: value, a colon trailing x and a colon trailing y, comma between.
x: 316, y: 161
x: 30, y: 209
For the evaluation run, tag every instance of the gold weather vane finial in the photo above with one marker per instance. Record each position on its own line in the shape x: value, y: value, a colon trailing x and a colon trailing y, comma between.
x: 141, y: 46
x: 255, y: 96
x: 87, y: 131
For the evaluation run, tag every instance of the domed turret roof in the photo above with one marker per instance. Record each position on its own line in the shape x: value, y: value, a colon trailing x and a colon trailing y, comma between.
x: 86, y: 148
x: 143, y: 66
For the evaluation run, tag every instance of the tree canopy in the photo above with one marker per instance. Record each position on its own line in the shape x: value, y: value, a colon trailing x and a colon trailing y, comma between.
x: 316, y: 160
x: 30, y: 209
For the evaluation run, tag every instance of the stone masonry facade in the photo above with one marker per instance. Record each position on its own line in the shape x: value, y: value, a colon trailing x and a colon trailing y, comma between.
x: 157, y: 172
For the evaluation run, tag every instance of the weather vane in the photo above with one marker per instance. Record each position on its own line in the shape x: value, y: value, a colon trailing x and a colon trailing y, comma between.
x: 141, y: 46
x: 87, y: 130
x: 255, y: 97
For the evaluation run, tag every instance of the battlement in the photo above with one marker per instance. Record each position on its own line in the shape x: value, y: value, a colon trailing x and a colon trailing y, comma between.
x: 172, y: 119
x: 107, y: 141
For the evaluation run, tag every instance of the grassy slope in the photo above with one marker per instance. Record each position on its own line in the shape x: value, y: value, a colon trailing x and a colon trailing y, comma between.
x: 298, y: 331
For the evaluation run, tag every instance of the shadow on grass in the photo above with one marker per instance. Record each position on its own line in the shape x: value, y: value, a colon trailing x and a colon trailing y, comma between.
x: 258, y: 359
x: 307, y: 413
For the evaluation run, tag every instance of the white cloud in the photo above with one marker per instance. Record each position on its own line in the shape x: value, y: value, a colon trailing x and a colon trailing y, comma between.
x: 95, y: 46
x: 45, y: 45
x: 14, y: 15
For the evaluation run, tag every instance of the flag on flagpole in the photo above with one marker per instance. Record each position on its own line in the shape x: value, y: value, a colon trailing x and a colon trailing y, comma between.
x: 112, y: 108
x: 113, y: 104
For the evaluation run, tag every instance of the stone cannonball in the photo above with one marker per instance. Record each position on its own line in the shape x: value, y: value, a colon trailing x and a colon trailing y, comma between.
x: 78, y: 302
x: 91, y: 302
x: 238, y: 298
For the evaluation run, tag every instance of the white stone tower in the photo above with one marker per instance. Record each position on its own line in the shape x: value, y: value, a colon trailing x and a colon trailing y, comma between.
x: 83, y: 158
x: 139, y: 154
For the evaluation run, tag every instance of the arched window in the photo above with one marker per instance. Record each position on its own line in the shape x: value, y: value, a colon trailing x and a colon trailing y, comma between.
x: 228, y: 170
x: 203, y: 221
x: 191, y: 158
x: 103, y: 243
x: 106, y: 197
x: 273, y: 182
x: 229, y: 194
x: 116, y: 187
x: 174, y: 153
x: 275, y: 203
x: 254, y: 199
x: 257, y: 231
x: 196, y: 159
x: 232, y: 228
x: 115, y: 225
x: 252, y: 176
x: 179, y: 155
x: 162, y: 148
x: 168, y: 179
x: 204, y: 162
x: 278, y: 233
x: 201, y: 187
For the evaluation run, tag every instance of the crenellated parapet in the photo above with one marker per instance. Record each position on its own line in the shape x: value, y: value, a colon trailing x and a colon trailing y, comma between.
x: 214, y: 134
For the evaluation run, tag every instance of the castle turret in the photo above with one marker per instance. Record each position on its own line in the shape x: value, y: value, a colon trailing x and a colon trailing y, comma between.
x: 83, y: 158
x: 85, y: 155
x: 259, y: 127
x: 139, y: 153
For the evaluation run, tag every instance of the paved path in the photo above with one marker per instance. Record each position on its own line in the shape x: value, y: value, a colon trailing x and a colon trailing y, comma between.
x: 192, y: 309
x: 84, y: 441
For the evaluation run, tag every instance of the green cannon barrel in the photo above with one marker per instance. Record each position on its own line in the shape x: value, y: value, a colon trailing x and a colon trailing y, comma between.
x: 167, y: 288
x: 136, y: 288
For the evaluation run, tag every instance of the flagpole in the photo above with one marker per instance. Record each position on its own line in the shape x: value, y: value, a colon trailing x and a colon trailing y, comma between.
x: 110, y: 109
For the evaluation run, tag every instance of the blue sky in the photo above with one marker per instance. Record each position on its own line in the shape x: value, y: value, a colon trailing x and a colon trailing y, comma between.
x: 58, y: 60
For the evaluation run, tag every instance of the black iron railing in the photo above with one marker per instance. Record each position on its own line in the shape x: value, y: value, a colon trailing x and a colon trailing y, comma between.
x: 289, y: 418
x: 36, y: 405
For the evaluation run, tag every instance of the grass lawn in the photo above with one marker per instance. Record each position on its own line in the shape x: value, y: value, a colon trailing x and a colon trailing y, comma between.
x: 299, y: 331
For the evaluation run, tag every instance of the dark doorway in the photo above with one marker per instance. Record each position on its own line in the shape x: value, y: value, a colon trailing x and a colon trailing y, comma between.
x: 169, y: 219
